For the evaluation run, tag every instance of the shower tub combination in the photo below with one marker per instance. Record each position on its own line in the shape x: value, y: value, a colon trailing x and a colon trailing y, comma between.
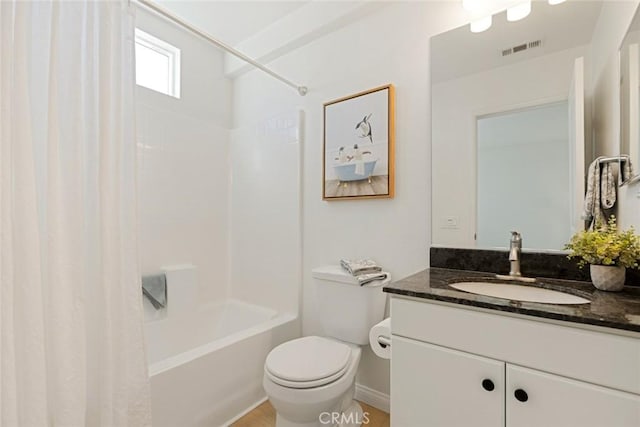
x: 206, y: 363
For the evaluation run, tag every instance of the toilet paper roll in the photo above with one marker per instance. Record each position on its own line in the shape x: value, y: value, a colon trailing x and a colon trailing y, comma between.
x: 379, y: 336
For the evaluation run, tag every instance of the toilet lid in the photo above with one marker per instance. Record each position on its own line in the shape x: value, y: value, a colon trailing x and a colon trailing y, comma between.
x: 308, y: 362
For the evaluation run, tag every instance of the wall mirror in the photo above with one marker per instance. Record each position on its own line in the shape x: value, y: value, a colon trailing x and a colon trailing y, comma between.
x: 630, y: 103
x: 509, y: 128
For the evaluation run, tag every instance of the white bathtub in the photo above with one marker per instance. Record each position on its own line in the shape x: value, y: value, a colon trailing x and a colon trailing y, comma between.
x: 206, y: 367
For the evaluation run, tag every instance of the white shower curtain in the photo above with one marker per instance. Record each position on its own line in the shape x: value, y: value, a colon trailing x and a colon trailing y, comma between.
x: 71, y: 328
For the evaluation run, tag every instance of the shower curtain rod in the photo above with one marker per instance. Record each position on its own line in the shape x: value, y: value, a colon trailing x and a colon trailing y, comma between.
x: 302, y: 90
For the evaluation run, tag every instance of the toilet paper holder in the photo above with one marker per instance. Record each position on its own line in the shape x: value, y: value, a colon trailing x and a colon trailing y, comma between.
x: 384, y: 341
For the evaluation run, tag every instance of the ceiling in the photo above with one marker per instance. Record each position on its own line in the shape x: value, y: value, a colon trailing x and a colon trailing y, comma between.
x: 231, y: 21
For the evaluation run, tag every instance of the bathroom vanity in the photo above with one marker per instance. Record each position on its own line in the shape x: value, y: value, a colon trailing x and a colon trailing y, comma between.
x: 511, y: 136
x: 461, y: 359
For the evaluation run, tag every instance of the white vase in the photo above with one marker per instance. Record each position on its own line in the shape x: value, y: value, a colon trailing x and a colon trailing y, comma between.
x: 608, y: 277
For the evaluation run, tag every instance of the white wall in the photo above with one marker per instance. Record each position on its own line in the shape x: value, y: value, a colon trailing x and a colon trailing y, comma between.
x: 609, y: 33
x: 183, y: 170
x: 389, y: 46
x: 459, y: 102
x: 610, y: 29
x: 629, y: 200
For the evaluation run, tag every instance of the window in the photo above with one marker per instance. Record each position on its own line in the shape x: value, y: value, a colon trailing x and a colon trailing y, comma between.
x: 157, y: 64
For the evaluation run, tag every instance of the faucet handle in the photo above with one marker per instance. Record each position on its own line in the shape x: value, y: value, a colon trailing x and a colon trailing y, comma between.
x: 514, y: 253
x: 516, y: 240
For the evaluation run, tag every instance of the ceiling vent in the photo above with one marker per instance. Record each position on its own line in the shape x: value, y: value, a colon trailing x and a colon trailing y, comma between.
x: 521, y: 47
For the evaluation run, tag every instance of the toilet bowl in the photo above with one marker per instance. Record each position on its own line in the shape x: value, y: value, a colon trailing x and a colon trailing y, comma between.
x: 310, y: 381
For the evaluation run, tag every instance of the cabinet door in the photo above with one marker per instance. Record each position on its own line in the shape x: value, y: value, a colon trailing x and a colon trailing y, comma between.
x: 537, y: 399
x: 434, y: 386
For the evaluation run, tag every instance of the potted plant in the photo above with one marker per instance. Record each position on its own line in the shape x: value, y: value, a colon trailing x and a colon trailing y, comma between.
x: 609, y: 251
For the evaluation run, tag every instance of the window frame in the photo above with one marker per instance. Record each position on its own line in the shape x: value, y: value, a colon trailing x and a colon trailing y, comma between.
x: 171, y: 52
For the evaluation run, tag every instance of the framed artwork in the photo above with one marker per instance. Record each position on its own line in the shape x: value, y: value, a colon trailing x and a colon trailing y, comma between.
x: 358, y: 147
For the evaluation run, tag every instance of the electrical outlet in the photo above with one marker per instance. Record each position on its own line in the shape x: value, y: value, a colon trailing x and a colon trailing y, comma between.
x: 450, y: 223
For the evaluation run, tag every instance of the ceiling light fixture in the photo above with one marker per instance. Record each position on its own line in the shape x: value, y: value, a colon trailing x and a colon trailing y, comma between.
x: 555, y: 2
x: 519, y: 11
x: 480, y: 25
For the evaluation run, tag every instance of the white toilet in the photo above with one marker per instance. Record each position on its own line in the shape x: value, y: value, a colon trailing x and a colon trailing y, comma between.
x: 310, y: 381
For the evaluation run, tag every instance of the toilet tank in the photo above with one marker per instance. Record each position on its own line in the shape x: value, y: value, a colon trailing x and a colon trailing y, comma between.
x: 347, y: 310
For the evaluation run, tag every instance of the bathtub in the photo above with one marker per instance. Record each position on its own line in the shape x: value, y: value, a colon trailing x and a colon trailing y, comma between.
x: 206, y: 367
x: 347, y: 171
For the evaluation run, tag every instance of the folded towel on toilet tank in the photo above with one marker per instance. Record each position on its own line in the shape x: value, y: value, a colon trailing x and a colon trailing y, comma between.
x: 365, y: 279
x: 360, y: 266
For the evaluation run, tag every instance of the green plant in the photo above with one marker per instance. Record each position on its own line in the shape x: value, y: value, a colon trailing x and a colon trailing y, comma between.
x: 606, y: 246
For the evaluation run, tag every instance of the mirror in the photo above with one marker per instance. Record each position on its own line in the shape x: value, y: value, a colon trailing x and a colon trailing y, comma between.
x: 509, y: 129
x: 630, y: 103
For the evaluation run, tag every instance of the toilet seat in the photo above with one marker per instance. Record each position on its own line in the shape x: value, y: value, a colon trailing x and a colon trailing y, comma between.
x: 308, y: 362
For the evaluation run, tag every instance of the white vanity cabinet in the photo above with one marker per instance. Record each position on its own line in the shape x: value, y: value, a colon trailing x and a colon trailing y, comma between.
x: 436, y: 386
x: 552, y: 400
x: 456, y: 367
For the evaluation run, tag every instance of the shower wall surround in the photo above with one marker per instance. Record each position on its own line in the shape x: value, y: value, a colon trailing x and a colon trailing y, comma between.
x: 183, y: 150
x: 265, y: 220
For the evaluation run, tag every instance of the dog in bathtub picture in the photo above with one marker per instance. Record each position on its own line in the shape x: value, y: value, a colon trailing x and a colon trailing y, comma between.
x: 358, y: 145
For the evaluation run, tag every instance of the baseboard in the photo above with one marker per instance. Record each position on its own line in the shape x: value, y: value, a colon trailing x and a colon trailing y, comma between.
x: 246, y: 411
x: 373, y: 397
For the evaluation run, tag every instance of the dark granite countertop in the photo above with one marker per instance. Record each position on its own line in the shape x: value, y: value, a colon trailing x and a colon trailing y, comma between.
x: 618, y: 310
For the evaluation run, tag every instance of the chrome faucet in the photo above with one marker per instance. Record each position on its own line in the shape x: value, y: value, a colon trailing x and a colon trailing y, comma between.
x: 515, y: 250
x: 515, y: 253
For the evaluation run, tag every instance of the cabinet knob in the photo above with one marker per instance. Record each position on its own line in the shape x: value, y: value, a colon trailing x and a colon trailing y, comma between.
x: 488, y: 385
x: 521, y: 395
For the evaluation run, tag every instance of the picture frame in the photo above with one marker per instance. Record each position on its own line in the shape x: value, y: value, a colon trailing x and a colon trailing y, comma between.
x: 359, y: 146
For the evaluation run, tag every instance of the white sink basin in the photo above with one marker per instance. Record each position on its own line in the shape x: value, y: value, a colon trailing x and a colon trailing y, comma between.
x: 519, y: 292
